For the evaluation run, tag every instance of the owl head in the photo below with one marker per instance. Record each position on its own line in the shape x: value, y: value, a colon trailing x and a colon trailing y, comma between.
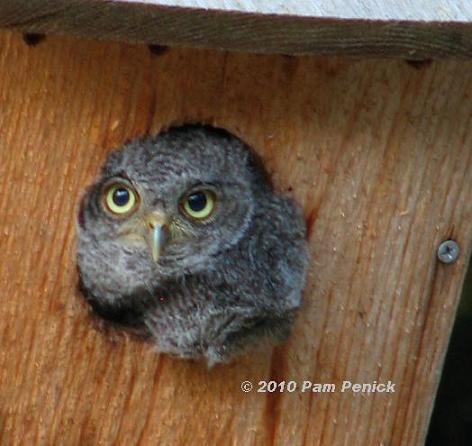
x: 164, y: 207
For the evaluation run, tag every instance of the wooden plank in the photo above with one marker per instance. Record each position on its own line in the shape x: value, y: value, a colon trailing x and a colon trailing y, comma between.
x: 412, y: 29
x: 410, y: 10
x: 377, y: 152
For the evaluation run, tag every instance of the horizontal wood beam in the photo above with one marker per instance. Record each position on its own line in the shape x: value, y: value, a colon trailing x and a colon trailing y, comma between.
x: 412, y: 29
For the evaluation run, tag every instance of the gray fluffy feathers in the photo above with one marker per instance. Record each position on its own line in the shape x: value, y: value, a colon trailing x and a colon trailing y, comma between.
x: 220, y: 287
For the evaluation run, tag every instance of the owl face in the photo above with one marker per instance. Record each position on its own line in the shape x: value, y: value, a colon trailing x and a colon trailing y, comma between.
x: 163, y: 207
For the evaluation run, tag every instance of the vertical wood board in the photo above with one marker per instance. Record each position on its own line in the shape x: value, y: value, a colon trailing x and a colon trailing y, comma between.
x: 378, y: 153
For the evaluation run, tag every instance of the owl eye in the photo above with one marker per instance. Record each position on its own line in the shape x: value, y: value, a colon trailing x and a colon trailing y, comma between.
x: 120, y: 199
x: 199, y: 204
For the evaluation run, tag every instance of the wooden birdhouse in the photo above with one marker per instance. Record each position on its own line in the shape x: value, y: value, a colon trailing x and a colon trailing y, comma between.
x: 361, y: 112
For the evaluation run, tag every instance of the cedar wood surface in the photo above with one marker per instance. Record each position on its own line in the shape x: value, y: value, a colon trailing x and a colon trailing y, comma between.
x: 378, y: 153
x: 429, y: 10
x: 412, y: 29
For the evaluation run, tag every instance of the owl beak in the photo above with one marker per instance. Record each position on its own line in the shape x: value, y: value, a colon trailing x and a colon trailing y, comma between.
x: 157, y: 234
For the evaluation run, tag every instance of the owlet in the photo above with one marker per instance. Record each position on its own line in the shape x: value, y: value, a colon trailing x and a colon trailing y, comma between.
x: 182, y: 239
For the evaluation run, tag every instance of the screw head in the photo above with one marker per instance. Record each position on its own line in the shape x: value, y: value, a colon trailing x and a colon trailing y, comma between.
x: 448, y: 251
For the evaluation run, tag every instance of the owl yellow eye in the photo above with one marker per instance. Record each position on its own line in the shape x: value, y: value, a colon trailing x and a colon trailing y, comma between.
x: 199, y: 204
x: 120, y: 199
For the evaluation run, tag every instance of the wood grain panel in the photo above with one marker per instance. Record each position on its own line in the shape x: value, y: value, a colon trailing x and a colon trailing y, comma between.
x: 428, y: 10
x: 377, y: 152
x: 410, y: 29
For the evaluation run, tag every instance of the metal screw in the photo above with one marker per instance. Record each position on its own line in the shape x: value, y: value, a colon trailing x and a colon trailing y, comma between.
x: 448, y: 251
